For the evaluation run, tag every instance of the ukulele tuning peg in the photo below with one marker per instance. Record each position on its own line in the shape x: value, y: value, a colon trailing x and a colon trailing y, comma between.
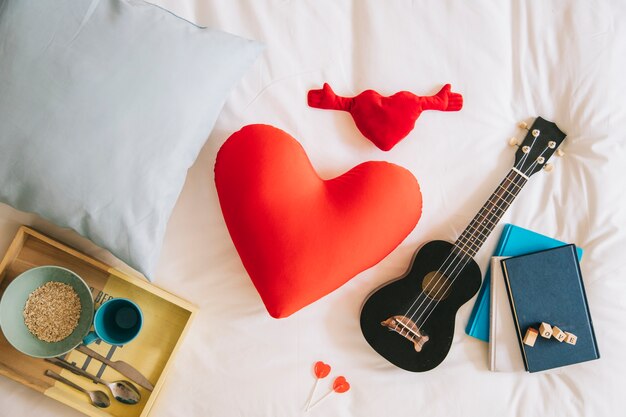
x: 522, y: 125
x: 548, y: 167
x: 559, y: 152
x: 513, y: 142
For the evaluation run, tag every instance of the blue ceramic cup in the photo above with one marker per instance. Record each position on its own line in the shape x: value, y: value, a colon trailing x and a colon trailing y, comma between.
x: 117, y: 322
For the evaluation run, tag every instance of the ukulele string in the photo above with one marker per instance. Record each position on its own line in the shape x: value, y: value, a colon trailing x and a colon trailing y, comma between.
x: 532, y: 166
x: 460, y: 258
x: 523, y: 160
x: 466, y: 245
x: 453, y: 275
x: 463, y: 256
x: 442, y: 274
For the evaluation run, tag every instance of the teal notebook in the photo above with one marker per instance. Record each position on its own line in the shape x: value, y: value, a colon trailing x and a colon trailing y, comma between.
x: 514, y: 241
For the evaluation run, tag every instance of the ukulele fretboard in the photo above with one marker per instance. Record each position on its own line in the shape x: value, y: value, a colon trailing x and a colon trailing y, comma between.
x: 490, y: 214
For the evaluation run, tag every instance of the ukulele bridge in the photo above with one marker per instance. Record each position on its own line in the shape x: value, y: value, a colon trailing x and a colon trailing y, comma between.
x: 407, y: 328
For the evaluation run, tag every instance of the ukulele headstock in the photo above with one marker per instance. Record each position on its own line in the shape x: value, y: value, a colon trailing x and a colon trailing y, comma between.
x: 540, y: 143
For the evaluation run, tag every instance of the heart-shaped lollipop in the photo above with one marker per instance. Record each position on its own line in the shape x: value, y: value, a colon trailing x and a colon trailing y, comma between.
x: 340, y: 385
x: 321, y: 370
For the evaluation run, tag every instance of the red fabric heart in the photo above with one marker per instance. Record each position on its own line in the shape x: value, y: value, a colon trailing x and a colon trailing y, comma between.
x: 340, y: 385
x: 321, y: 369
x: 299, y: 236
x: 385, y: 120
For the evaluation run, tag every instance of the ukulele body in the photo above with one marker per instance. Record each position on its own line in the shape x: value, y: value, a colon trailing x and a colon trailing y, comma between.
x: 395, y: 298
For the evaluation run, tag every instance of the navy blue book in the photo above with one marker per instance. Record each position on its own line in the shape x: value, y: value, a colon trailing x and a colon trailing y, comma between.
x: 547, y: 286
x: 514, y: 241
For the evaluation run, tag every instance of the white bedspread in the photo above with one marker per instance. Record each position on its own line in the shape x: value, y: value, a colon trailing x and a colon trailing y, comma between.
x: 511, y: 61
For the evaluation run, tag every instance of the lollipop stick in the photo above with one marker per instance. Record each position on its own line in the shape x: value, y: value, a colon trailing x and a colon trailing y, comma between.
x: 320, y: 400
x: 311, y: 395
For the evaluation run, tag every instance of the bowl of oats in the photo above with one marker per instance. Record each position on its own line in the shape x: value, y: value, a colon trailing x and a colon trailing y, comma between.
x: 46, y: 311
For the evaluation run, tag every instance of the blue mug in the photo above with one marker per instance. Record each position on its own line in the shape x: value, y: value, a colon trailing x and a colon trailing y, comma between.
x: 117, y: 322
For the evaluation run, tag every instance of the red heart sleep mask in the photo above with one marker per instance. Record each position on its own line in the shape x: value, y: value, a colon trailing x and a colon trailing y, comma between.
x: 300, y: 236
x: 385, y: 120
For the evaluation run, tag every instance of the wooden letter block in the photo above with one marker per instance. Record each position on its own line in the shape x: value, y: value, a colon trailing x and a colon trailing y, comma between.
x: 570, y: 338
x: 531, y: 337
x: 545, y: 330
x: 558, y: 334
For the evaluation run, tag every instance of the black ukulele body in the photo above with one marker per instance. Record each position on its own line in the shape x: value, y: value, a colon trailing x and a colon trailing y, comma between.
x: 395, y: 298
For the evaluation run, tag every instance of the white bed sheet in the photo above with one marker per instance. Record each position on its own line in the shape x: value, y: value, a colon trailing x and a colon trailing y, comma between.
x: 511, y: 61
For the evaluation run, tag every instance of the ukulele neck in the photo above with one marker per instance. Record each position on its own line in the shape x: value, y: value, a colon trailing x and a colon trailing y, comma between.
x: 473, y: 237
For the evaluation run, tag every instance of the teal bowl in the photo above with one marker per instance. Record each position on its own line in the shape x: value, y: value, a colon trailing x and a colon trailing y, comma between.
x: 12, y: 309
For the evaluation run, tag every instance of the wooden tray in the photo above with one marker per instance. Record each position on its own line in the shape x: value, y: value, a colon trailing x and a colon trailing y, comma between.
x: 166, y: 320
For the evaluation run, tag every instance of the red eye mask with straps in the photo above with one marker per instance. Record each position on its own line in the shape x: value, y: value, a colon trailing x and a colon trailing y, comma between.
x: 385, y: 120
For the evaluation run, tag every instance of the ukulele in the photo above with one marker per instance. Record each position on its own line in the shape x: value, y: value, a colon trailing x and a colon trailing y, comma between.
x: 410, y: 320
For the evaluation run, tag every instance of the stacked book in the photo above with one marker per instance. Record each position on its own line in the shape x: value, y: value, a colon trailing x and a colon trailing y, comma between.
x: 533, y: 280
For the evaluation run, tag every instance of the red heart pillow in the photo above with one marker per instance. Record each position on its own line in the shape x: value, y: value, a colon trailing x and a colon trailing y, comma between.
x: 299, y: 236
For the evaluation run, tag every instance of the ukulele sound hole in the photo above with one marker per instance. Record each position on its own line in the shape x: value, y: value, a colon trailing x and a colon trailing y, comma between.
x: 436, y: 285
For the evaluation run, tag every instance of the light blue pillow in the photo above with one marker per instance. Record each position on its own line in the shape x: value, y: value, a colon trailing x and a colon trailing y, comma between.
x: 104, y: 105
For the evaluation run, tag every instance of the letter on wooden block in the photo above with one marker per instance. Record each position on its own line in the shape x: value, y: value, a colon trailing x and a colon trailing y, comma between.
x: 531, y: 337
x: 570, y: 338
x: 545, y: 330
x: 558, y: 334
